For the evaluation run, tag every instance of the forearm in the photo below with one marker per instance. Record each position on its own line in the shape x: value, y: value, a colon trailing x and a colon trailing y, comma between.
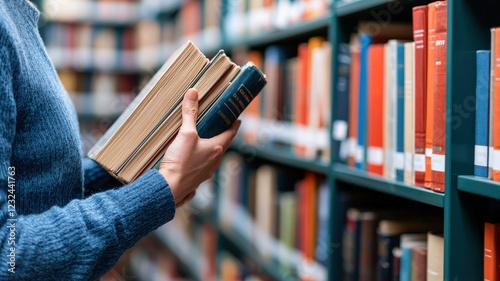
x: 96, y: 178
x: 84, y: 239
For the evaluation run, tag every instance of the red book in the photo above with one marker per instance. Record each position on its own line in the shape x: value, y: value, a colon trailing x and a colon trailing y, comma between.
x: 491, y: 252
x: 431, y: 65
x: 353, y: 100
x: 375, y: 141
x: 495, y: 65
x: 420, y: 39
x: 439, y: 126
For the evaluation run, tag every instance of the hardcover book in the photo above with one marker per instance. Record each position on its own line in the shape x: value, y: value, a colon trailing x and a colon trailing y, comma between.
x: 482, y: 113
x: 141, y: 135
x: 420, y: 90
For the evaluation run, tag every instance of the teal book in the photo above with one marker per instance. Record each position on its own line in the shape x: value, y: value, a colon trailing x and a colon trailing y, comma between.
x: 400, y: 111
x: 228, y: 107
x: 482, y: 113
x: 360, y: 159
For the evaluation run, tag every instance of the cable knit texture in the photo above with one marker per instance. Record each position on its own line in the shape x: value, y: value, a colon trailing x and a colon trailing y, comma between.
x: 72, y: 220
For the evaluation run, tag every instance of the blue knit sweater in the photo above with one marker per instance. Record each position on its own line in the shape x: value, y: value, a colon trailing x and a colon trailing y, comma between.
x: 61, y: 217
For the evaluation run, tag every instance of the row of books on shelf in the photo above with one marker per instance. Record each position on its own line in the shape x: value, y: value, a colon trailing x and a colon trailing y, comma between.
x: 391, y: 107
x: 194, y: 243
x: 294, y: 110
x: 487, y: 100
x: 149, y: 259
x: 112, y: 12
x: 248, y: 17
x: 380, y: 243
x: 283, y: 213
x: 100, y: 94
x: 144, y: 45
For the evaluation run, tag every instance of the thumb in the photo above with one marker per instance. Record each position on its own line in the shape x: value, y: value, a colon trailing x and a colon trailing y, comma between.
x: 190, y: 110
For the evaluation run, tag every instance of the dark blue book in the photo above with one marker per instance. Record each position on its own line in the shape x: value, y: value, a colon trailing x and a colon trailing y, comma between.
x: 360, y: 159
x: 340, y: 127
x: 482, y: 113
x: 400, y: 112
x: 228, y: 107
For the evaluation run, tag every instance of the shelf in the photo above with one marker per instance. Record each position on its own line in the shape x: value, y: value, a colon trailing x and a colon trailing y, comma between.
x: 289, y: 32
x: 353, y: 176
x: 173, y: 239
x: 245, y: 246
x: 279, y: 155
x: 480, y: 186
x: 343, y: 8
x: 110, y: 14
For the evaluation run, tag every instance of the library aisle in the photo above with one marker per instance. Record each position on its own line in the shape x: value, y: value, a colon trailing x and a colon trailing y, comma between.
x: 370, y: 154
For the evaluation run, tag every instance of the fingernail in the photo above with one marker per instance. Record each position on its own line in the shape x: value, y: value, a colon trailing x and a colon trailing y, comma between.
x: 192, y: 95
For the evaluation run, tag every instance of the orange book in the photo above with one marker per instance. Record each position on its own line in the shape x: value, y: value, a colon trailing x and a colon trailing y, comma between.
x: 439, y: 125
x: 496, y: 105
x: 353, y: 100
x: 253, y: 109
x: 302, y: 99
x: 491, y: 252
x: 375, y: 141
x: 429, y: 121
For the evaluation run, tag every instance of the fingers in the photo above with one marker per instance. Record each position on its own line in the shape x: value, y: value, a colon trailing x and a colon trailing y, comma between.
x: 189, y: 111
x: 225, y: 138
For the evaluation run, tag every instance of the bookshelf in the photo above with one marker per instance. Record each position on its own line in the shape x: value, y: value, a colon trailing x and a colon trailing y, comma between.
x: 468, y: 30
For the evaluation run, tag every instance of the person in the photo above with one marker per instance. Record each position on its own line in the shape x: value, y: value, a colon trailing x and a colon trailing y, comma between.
x: 63, y: 217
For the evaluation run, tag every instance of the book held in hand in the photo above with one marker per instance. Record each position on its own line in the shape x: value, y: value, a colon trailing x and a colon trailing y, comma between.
x: 141, y: 135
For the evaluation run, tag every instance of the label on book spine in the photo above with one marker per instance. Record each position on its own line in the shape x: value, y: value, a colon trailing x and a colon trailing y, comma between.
x: 399, y: 160
x: 438, y: 163
x: 375, y: 155
x: 480, y: 155
x: 339, y: 130
x: 419, y: 162
x: 408, y: 161
x: 496, y: 159
x: 359, y: 153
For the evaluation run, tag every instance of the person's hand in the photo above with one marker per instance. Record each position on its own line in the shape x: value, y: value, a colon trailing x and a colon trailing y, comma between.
x: 190, y: 160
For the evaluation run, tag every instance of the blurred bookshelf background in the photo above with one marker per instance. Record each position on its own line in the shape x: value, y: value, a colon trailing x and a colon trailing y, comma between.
x: 332, y: 172
x: 106, y: 51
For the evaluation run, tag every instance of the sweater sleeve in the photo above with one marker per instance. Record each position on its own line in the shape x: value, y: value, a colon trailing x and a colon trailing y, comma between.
x: 96, y: 178
x: 85, y: 238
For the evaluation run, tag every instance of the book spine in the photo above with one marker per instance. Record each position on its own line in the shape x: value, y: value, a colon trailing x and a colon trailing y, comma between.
x: 491, y: 104
x: 385, y: 259
x: 409, y: 132
x: 353, y: 101
x: 420, y: 37
x: 368, y: 248
x: 419, y: 264
x: 375, y: 98
x: 496, y: 106
x: 242, y: 90
x: 400, y: 115
x: 439, y: 126
x: 340, y: 127
x: 431, y: 65
x: 365, y: 41
x: 491, y: 251
x: 435, y: 257
x: 482, y: 113
x: 405, y: 264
